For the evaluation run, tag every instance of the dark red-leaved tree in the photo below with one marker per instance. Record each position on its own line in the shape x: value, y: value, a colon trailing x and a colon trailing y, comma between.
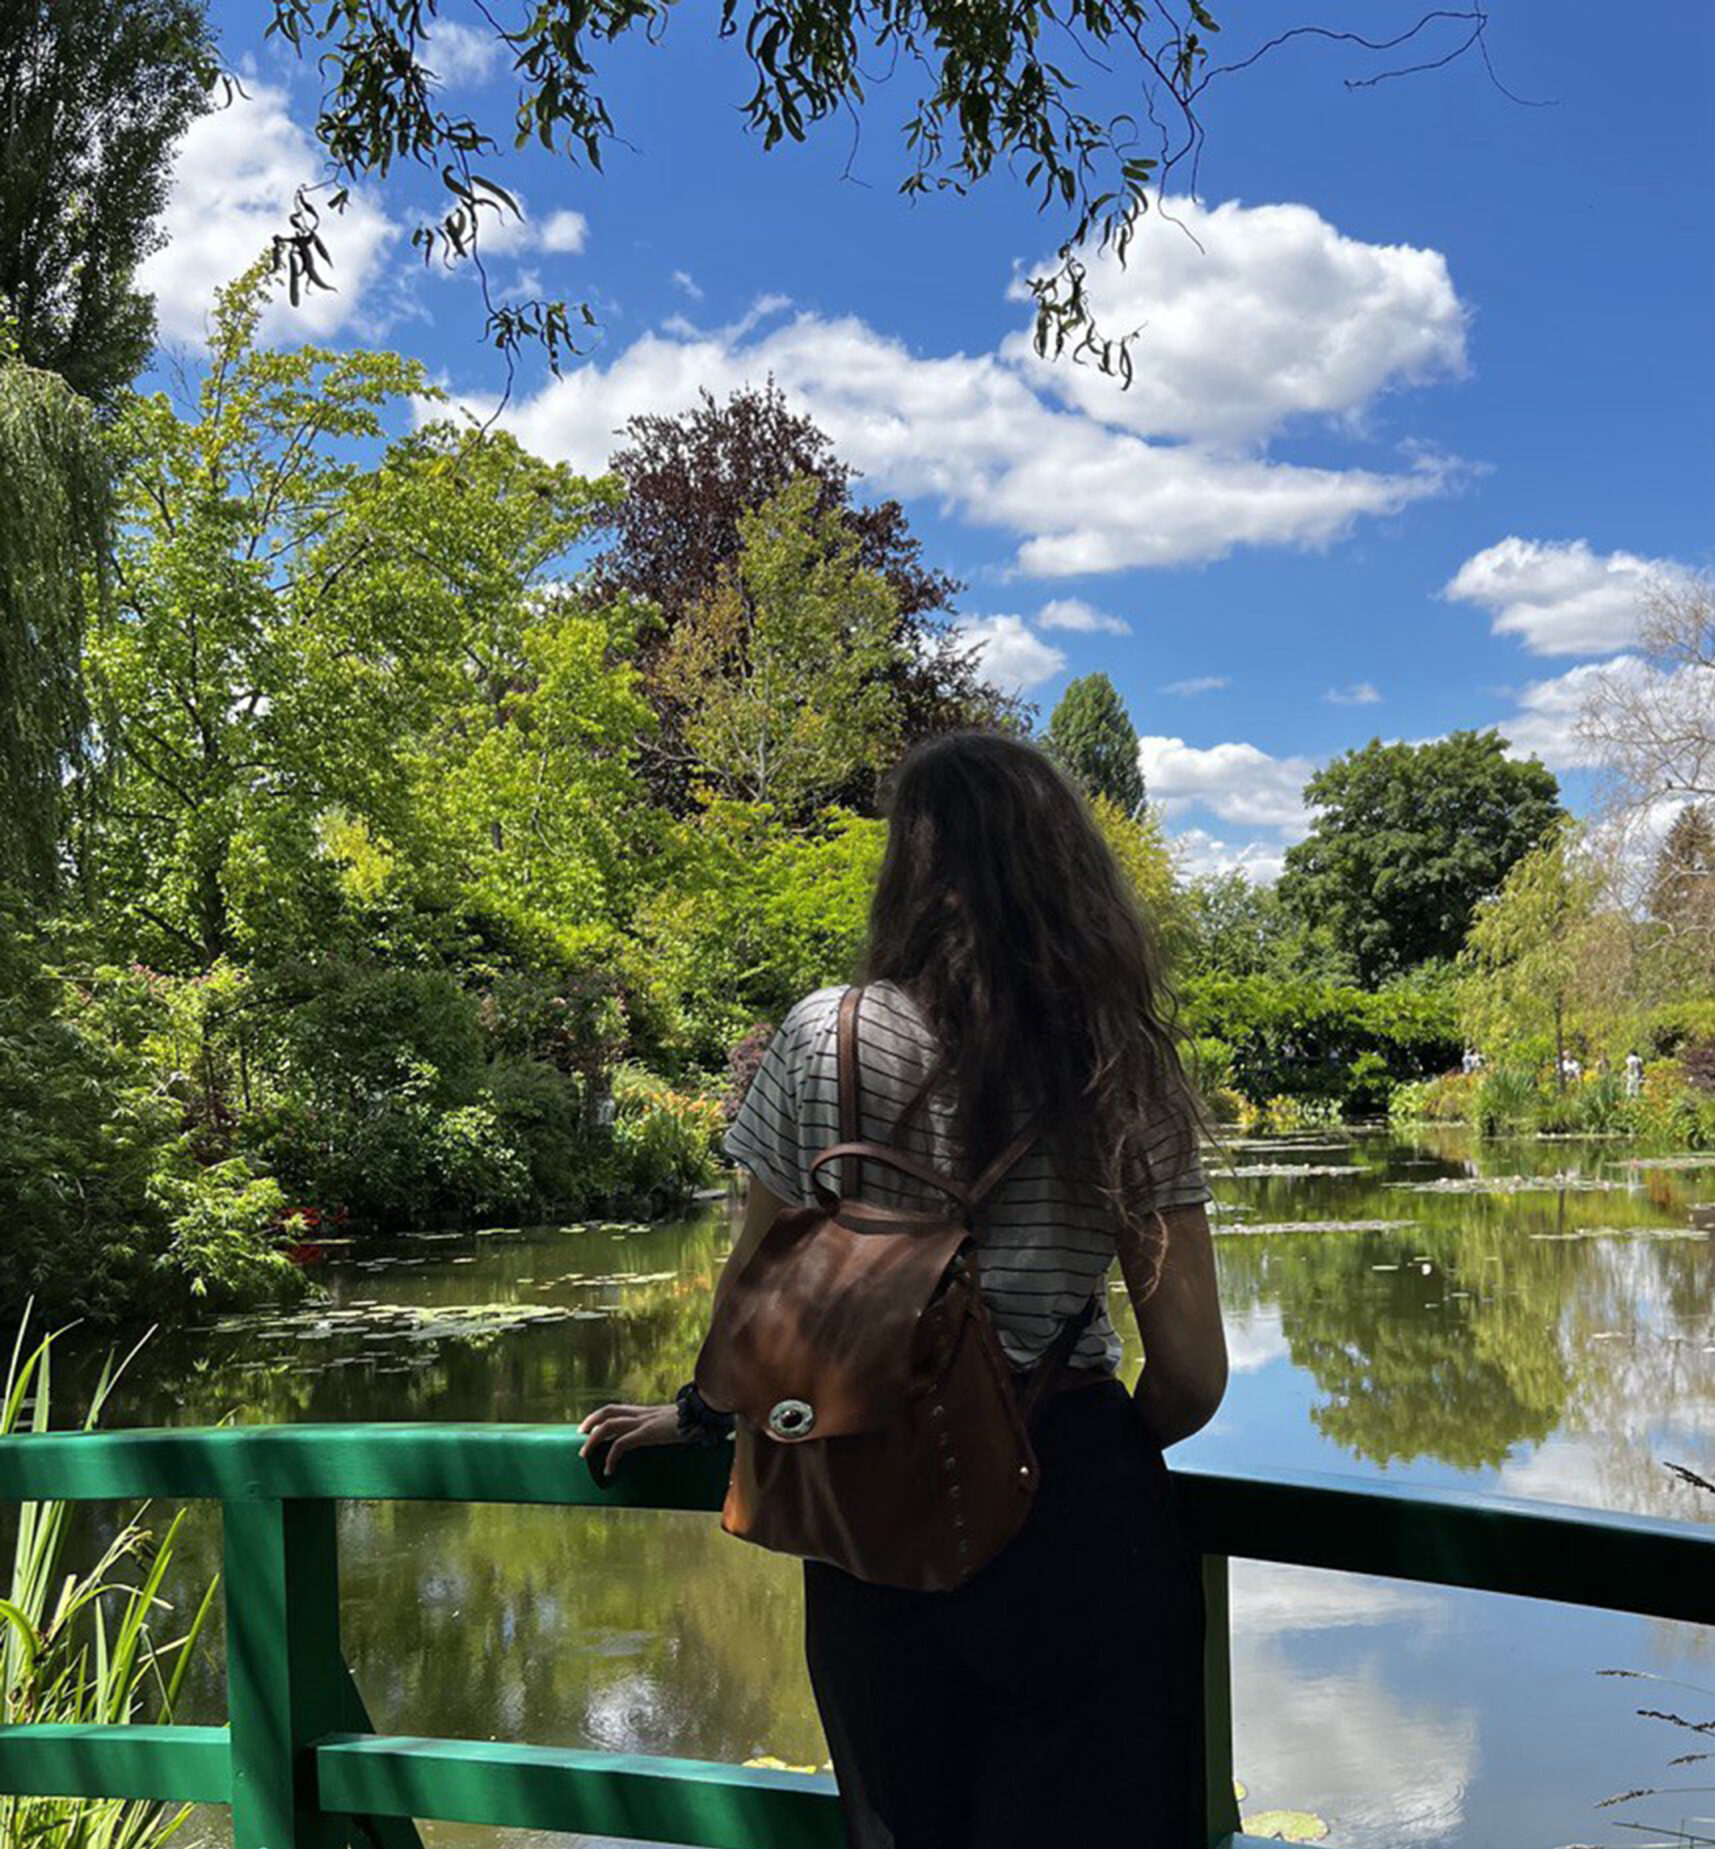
x: 689, y: 478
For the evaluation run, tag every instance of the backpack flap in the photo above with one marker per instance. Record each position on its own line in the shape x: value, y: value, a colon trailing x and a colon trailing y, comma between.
x: 823, y: 1334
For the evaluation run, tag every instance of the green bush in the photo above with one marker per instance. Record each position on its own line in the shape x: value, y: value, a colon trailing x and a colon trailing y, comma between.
x: 1449, y: 1097
x: 1308, y: 1040
x: 664, y: 1139
x: 109, y: 1198
x: 1506, y: 1100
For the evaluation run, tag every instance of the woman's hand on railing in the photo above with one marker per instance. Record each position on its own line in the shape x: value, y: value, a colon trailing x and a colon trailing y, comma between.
x: 625, y: 1428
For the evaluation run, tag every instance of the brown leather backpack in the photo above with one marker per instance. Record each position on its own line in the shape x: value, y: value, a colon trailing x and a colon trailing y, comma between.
x: 879, y: 1426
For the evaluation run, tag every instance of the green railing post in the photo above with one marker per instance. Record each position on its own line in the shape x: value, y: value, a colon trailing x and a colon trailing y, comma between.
x: 1218, y: 1701
x: 285, y: 1677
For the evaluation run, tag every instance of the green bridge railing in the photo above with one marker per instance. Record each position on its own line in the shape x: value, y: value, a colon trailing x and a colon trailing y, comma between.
x: 302, y: 1768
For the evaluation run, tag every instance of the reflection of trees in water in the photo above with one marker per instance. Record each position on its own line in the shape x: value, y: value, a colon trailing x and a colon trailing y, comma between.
x: 1412, y: 1368
x: 661, y: 1634
x: 623, y: 1631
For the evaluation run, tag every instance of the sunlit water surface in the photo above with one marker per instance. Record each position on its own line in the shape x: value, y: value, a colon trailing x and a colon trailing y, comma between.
x: 1531, y: 1318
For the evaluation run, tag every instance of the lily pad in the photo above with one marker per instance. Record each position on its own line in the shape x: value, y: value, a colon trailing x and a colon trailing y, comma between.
x: 1287, y: 1826
x: 1289, y: 1171
x: 1511, y: 1184
x: 1318, y: 1226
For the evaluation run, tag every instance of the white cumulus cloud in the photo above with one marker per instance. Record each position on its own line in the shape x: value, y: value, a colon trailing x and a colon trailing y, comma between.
x: 235, y: 175
x: 1084, y: 619
x: 1239, y: 782
x: 564, y: 231
x: 1087, y: 477
x: 461, y: 54
x: 1251, y: 315
x: 1358, y: 693
x: 1011, y: 655
x: 1560, y: 597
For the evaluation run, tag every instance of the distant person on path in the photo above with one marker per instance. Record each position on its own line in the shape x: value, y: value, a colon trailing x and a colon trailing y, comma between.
x: 1011, y: 992
x: 1634, y: 1074
x: 1570, y: 1070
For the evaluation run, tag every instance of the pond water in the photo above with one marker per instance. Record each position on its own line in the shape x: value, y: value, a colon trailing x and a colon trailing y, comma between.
x: 1527, y: 1317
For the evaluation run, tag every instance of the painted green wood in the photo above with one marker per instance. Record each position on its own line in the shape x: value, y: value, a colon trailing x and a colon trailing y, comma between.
x: 1449, y: 1537
x: 1223, y: 1807
x: 560, y: 1788
x: 1657, y: 1569
x: 370, y: 1832
x: 172, y: 1763
x: 303, y: 1770
x: 285, y: 1678
x: 378, y: 1463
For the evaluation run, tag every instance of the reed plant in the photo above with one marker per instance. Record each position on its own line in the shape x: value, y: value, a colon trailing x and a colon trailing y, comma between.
x: 86, y: 1644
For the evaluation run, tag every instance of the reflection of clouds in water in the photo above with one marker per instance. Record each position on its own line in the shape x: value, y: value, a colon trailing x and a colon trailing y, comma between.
x: 1337, y: 1737
x: 1269, y: 1599
x: 1381, y: 1770
x: 1254, y: 1338
x: 1562, y: 1469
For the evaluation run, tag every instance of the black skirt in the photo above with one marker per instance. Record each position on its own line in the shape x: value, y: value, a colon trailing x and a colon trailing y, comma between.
x: 1055, y: 1698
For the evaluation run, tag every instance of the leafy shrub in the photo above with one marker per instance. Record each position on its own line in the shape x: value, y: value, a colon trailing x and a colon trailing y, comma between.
x: 1305, y: 1039
x: 664, y: 1139
x: 1506, y: 1100
x: 1285, y: 1112
x: 110, y: 1202
x: 1211, y: 1063
x: 1449, y: 1097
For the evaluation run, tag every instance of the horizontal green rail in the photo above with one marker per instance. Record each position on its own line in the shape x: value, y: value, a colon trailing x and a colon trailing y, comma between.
x: 302, y: 1767
x: 1659, y: 1569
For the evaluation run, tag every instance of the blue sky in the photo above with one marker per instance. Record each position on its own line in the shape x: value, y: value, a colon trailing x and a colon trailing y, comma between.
x: 1429, y: 397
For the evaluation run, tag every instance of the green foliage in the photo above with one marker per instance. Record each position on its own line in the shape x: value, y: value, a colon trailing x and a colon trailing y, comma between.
x: 984, y: 90
x: 750, y: 916
x: 83, y: 1645
x: 95, y: 95
x: 243, y: 686
x: 1284, y: 1113
x: 1235, y: 926
x: 55, y: 528
x: 1408, y: 839
x: 110, y: 1200
x: 664, y: 1138
x: 779, y: 675
x: 1091, y: 735
x: 1315, y: 1041
x: 1533, y: 961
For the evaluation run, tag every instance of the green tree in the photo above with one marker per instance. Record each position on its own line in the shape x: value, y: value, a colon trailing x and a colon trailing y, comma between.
x: 673, y: 536
x: 1407, y: 839
x: 512, y: 784
x: 1091, y: 734
x: 779, y: 673
x: 55, y: 529
x: 93, y: 96
x: 234, y: 699
x: 335, y: 662
x: 751, y: 915
x: 1530, y: 965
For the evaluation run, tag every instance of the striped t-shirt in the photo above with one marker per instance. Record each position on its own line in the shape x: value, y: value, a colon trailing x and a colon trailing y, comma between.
x: 1046, y: 1245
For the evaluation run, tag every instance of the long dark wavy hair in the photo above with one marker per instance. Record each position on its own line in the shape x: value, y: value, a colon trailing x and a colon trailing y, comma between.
x: 1002, y: 912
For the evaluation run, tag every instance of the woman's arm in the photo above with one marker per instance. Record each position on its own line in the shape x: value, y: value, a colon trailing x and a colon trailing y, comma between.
x: 623, y: 1428
x: 1184, y: 1346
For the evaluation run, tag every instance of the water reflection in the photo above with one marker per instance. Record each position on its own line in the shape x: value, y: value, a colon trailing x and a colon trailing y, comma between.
x: 1542, y: 1327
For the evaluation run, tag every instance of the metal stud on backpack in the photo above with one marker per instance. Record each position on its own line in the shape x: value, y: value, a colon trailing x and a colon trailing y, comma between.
x: 879, y: 1427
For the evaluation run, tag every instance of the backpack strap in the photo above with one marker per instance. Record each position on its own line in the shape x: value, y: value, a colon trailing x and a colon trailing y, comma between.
x: 852, y: 1145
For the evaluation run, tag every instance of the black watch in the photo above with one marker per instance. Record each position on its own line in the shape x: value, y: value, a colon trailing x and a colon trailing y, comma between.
x: 699, y: 1423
